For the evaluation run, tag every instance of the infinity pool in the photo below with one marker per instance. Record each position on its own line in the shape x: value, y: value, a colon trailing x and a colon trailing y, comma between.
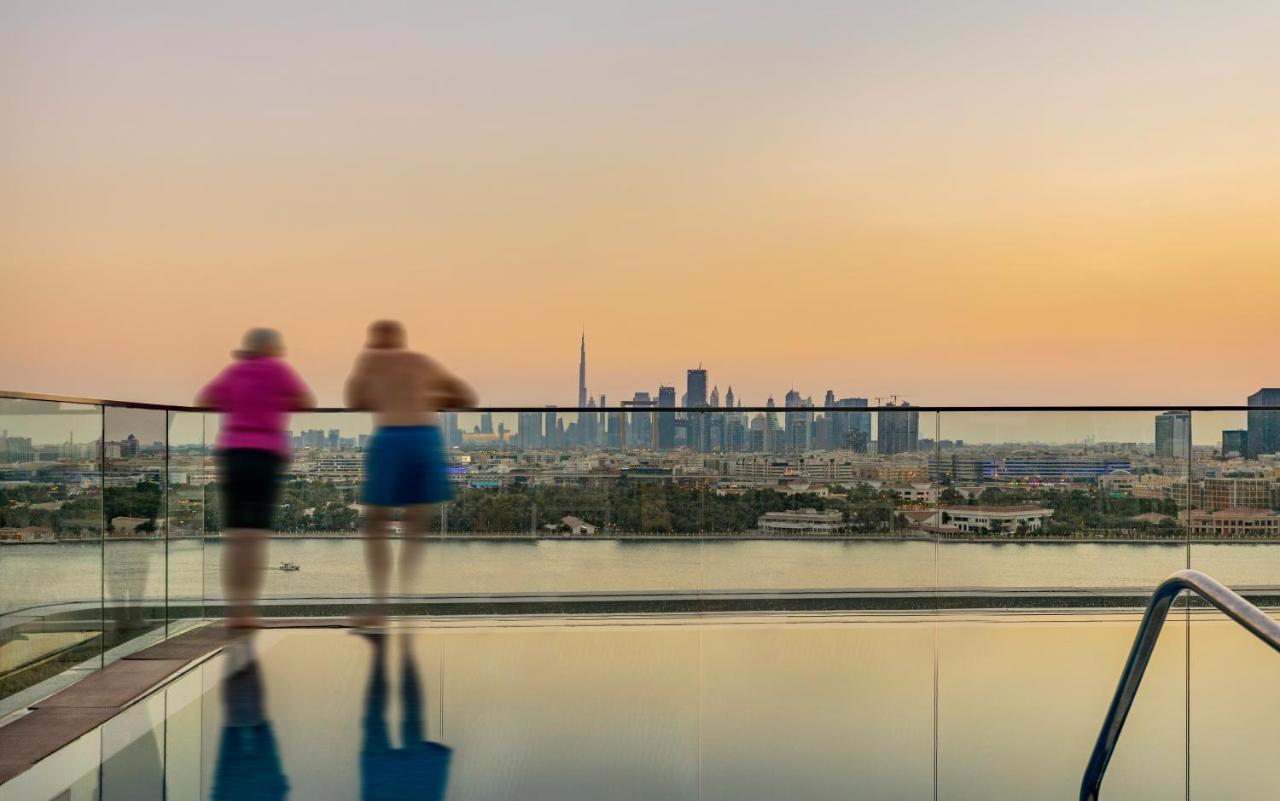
x: 770, y: 707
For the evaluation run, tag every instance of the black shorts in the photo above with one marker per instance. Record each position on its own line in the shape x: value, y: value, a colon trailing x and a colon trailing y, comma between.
x: 250, y: 486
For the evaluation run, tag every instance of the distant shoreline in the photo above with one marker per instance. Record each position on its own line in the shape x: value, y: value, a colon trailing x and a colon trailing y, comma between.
x: 710, y: 536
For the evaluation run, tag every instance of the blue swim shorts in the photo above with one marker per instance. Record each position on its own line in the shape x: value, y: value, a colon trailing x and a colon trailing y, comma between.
x: 405, y: 466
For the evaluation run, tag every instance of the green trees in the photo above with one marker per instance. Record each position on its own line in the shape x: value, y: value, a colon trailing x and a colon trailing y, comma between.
x: 144, y: 499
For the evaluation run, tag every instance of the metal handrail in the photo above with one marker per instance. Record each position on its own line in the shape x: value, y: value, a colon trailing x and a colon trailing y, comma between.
x: 1232, y: 604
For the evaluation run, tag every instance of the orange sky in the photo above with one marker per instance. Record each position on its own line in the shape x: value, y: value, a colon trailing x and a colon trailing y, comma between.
x: 961, y: 203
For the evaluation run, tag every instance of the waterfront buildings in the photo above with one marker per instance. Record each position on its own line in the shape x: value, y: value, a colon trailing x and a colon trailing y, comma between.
x: 802, y: 521
x: 995, y: 519
x: 1236, y: 523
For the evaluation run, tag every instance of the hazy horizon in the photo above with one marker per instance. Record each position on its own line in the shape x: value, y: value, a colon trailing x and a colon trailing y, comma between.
x: 980, y: 203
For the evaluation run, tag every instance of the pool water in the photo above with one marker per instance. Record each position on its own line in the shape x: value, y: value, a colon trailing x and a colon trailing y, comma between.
x: 766, y: 707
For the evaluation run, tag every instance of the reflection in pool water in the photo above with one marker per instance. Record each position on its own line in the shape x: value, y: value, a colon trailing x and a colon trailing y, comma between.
x: 715, y: 708
x: 419, y: 768
x: 248, y: 767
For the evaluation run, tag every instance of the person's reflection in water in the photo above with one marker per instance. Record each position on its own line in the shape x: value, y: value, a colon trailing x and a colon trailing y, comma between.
x: 248, y: 767
x: 419, y: 769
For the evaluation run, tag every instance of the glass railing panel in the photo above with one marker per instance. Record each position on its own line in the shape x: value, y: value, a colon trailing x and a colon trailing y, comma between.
x: 548, y: 511
x: 188, y: 477
x: 828, y: 707
x: 805, y: 506
x: 313, y: 563
x: 50, y: 542
x: 135, y: 500
x: 567, y: 706
x: 133, y: 752
x: 1053, y: 530
x: 1231, y: 506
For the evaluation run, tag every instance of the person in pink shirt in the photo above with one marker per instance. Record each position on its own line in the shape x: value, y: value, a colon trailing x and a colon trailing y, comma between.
x: 255, y: 395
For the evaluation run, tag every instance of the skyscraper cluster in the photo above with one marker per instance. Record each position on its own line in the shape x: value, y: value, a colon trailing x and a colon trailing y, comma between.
x: 699, y: 421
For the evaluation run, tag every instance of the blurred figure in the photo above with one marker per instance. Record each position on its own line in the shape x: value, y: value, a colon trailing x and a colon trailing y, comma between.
x: 405, y: 465
x: 419, y: 769
x: 249, y: 766
x: 255, y: 394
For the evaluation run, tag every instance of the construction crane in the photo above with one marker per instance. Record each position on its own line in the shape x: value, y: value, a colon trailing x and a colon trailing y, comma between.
x: 880, y: 399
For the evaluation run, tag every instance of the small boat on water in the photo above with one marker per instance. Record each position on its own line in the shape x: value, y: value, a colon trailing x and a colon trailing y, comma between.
x: 289, y: 567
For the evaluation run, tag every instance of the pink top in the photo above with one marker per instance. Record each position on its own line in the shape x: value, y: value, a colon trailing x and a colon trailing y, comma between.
x: 255, y: 397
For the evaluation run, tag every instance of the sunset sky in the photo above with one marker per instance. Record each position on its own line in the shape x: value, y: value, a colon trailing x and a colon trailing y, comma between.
x: 962, y: 203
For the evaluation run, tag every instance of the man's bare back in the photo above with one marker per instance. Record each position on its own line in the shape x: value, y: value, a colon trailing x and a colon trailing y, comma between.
x: 400, y: 387
x: 405, y: 465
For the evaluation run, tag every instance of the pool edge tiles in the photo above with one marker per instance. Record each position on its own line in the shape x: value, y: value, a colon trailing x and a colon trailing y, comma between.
x: 51, y: 724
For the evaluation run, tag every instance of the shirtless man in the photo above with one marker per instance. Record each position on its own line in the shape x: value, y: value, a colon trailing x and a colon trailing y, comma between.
x: 405, y: 465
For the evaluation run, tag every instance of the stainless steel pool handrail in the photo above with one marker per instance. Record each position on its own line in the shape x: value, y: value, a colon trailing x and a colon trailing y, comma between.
x: 1232, y: 604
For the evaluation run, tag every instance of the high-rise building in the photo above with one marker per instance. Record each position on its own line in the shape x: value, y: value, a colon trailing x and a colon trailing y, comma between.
x: 735, y: 432
x: 666, y: 420
x: 16, y: 449
x: 1264, y: 426
x: 640, y: 427
x: 799, y: 423
x: 899, y: 431
x: 755, y: 434
x: 696, y: 388
x: 486, y: 422
x: 588, y: 423
x: 529, y: 433
x: 714, y: 424
x: 1173, y: 434
x: 452, y: 436
x: 1235, y: 442
x: 613, y: 430
x: 582, y: 371
x: 850, y: 430
x: 601, y: 432
x: 771, y: 439
x: 695, y: 397
x: 549, y: 430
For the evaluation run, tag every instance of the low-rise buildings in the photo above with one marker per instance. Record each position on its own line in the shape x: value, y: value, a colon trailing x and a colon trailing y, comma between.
x: 1236, y: 523
x: 1214, y: 494
x: 807, y: 521
x: 915, y: 491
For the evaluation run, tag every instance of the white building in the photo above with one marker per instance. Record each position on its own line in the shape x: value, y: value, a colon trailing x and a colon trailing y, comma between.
x: 916, y: 491
x: 1004, y: 519
x: 809, y: 521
